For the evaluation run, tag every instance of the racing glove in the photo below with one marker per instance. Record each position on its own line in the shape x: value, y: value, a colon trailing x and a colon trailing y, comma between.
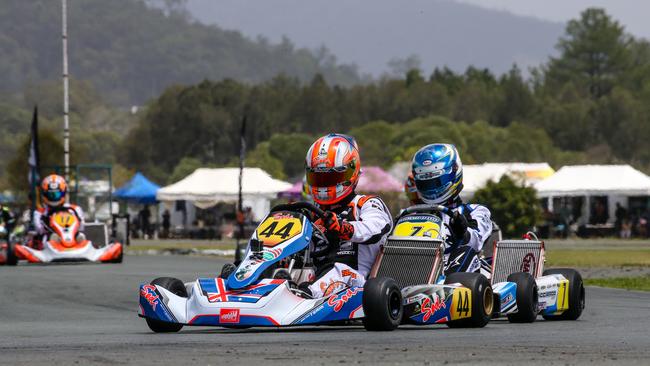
x: 458, y: 226
x: 341, y: 228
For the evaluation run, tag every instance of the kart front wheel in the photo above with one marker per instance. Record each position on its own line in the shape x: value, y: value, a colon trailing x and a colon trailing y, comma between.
x: 177, y: 287
x: 576, y: 294
x: 382, y: 304
x: 12, y: 259
x: 527, y: 297
x: 482, y: 299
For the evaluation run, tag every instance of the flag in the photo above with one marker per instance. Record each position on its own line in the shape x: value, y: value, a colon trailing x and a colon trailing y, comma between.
x: 34, y: 160
x: 242, y: 155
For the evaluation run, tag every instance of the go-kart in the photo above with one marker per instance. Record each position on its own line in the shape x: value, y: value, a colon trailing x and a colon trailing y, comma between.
x: 522, y: 288
x: 7, y: 255
x: 262, y: 290
x: 65, y: 243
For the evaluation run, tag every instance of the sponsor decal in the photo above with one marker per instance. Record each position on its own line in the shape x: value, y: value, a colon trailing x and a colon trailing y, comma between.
x: 244, y: 272
x: 528, y: 262
x: 271, y: 254
x: 149, y: 294
x: 429, y: 309
x: 229, y: 316
x: 282, y: 215
x: 506, y: 299
x: 337, y: 302
x: 427, y: 162
x: 332, y: 287
x: 348, y: 273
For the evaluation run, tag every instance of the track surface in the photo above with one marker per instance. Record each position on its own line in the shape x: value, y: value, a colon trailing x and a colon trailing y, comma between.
x: 86, y: 314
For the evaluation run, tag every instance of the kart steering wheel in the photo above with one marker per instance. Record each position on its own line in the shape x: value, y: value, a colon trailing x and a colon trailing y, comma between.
x: 300, y: 206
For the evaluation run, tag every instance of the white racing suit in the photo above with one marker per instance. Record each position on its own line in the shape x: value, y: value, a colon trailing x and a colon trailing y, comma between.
x: 354, y: 259
x: 42, y: 217
x: 462, y: 256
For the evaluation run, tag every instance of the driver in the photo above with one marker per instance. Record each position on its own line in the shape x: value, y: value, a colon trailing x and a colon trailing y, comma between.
x: 355, y: 225
x: 53, y: 191
x: 438, y: 176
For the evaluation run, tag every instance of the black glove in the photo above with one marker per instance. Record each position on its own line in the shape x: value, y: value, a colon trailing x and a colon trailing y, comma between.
x: 458, y: 227
x: 321, y: 248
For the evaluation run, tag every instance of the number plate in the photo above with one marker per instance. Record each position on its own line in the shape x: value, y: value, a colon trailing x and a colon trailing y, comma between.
x: 417, y: 228
x: 461, y: 303
x: 278, y: 228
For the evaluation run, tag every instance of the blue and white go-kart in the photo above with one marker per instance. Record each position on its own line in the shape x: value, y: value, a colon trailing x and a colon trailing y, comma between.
x: 261, y: 291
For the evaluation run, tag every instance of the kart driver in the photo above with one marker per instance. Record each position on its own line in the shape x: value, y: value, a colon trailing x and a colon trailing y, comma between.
x: 53, y: 191
x: 438, y: 175
x: 355, y: 225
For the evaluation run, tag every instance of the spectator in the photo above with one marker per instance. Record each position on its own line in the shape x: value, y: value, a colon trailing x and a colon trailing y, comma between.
x: 621, y: 215
x: 145, y: 226
x: 166, y: 223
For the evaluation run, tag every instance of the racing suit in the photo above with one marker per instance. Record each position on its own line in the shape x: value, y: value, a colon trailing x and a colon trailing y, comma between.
x: 42, y: 218
x: 461, y: 253
x: 348, y: 262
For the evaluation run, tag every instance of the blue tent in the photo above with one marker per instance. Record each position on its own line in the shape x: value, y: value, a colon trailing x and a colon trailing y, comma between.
x: 139, y: 190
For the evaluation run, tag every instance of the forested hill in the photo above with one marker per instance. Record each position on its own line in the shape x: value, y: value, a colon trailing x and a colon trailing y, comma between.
x: 131, y: 52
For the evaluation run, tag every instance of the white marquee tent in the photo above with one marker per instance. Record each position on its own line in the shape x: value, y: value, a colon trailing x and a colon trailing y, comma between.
x: 476, y: 177
x: 592, y: 180
x: 206, y: 187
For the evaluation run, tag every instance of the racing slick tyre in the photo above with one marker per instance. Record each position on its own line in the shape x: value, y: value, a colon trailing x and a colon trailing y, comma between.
x: 527, y: 297
x: 12, y: 259
x: 226, y: 270
x: 176, y: 287
x: 576, y: 294
x: 382, y: 304
x: 240, y: 252
x: 482, y: 299
x: 119, y: 258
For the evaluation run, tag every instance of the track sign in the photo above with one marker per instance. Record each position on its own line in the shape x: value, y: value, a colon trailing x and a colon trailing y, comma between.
x: 461, y: 303
x: 278, y: 228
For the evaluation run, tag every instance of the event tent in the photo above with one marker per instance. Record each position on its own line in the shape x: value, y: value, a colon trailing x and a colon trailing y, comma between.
x: 592, y: 180
x: 476, y: 177
x: 138, y: 190
x: 206, y: 187
x: 375, y: 179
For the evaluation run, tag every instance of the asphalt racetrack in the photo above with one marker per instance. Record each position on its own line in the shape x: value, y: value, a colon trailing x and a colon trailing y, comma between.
x: 87, y: 314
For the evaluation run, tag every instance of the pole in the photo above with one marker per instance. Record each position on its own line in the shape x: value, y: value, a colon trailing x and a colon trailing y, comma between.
x: 66, y: 100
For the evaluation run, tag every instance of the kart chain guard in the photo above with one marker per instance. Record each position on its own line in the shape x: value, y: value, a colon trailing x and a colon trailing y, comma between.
x: 512, y: 256
x: 409, y: 260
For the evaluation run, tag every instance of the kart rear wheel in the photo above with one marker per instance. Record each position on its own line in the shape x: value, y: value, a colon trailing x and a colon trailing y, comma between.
x: 226, y: 270
x: 482, y: 299
x: 175, y: 286
x: 12, y: 259
x: 527, y: 297
x: 576, y: 294
x: 382, y: 304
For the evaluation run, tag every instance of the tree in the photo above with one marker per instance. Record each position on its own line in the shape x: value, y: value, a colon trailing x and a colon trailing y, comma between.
x: 51, y: 155
x: 514, y: 208
x: 594, y: 53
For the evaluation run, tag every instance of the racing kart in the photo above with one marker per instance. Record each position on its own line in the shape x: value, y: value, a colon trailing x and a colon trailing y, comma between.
x: 7, y: 255
x: 522, y: 288
x: 65, y: 243
x: 262, y: 290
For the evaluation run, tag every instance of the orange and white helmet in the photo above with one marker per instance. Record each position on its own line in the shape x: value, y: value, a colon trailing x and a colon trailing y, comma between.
x: 411, y: 190
x: 333, y: 167
x: 53, y: 189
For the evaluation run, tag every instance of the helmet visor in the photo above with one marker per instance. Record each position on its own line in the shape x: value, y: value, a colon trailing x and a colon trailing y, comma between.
x: 53, y: 196
x: 330, y: 177
x: 432, y: 185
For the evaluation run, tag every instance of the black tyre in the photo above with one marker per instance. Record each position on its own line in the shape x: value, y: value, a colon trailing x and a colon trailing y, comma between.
x: 527, y: 297
x: 382, y: 304
x: 176, y: 287
x: 119, y: 258
x: 482, y: 299
x: 226, y: 270
x: 240, y: 252
x: 12, y: 259
x: 576, y: 294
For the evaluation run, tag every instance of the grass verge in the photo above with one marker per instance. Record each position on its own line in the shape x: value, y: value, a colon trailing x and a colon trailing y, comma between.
x: 627, y: 283
x: 598, y: 258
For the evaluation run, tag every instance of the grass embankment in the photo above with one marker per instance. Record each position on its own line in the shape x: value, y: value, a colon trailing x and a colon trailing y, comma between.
x: 615, y: 257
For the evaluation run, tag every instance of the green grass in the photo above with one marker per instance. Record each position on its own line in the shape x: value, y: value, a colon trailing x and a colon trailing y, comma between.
x: 628, y: 283
x: 613, y: 257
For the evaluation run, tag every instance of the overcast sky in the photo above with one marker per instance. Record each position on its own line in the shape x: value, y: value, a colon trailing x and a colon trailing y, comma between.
x: 633, y: 14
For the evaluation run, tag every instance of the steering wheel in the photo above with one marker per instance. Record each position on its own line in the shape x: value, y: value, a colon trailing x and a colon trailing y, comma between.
x: 299, y: 207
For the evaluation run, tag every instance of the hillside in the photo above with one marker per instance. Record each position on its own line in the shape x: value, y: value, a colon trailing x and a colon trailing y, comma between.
x: 370, y: 33
x: 131, y: 52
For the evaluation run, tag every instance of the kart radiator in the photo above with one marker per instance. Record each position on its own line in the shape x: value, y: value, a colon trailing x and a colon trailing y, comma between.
x: 409, y: 261
x: 512, y: 256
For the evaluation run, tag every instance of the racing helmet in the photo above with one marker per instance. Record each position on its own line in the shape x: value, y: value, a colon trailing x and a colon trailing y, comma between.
x: 438, y: 173
x: 333, y: 167
x: 53, y: 190
x: 411, y: 191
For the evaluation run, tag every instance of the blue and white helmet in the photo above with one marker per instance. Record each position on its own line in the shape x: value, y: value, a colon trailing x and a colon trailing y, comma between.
x: 438, y: 173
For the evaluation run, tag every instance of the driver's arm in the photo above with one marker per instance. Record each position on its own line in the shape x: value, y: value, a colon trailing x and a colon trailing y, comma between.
x: 479, y: 225
x: 375, y: 222
x: 80, y: 215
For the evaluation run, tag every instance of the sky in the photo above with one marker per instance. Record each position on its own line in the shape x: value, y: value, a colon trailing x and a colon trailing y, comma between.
x: 633, y: 14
